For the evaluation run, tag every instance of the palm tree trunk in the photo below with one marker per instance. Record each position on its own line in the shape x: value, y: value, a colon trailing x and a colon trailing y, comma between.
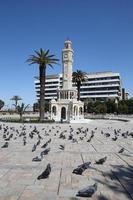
x: 16, y: 103
x: 78, y: 87
x: 42, y: 71
x: 21, y: 117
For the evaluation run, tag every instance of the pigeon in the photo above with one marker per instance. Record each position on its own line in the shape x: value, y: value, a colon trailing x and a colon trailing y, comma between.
x: 107, y: 134
x: 39, y: 137
x: 121, y: 150
x: 115, y: 138
x: 81, y: 168
x: 124, y: 134
x: 78, y: 170
x: 37, y: 159
x: 38, y: 142
x: 49, y: 140
x: 7, y: 139
x: 85, y: 165
x: 81, y: 138
x: 62, y: 147
x: 74, y: 140
x: 31, y: 135
x: 24, y: 142
x: 44, y: 145
x: 5, y: 145
x: 4, y: 136
x: 34, y: 148
x: 62, y: 136
x: 70, y: 137
x: 101, y: 161
x: 131, y: 134
x: 89, y: 139
x: 46, y: 173
x: 88, y: 191
x: 45, y: 152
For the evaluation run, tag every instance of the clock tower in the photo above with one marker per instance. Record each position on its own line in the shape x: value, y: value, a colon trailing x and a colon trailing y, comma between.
x: 67, y: 61
x: 67, y: 107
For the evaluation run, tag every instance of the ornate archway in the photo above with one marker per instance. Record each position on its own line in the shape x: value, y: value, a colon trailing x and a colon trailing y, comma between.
x: 63, y: 113
x: 75, y: 110
x: 54, y: 110
x: 80, y: 110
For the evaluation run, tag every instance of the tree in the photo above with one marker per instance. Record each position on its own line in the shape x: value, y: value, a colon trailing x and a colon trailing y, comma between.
x: 16, y: 99
x: 21, y: 110
x: 42, y: 58
x: 1, y: 104
x: 89, y: 105
x: 122, y: 108
x: 78, y: 77
x: 111, y: 106
x: 101, y: 109
x: 36, y: 107
x: 129, y: 103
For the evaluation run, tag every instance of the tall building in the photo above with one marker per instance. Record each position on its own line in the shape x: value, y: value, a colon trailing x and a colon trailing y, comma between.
x: 124, y: 94
x: 99, y: 86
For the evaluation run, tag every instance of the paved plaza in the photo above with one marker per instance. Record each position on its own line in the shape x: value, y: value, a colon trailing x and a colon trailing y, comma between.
x: 18, y: 173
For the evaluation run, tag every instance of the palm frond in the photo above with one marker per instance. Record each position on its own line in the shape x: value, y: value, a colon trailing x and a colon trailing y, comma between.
x: 47, y: 52
x: 26, y: 107
x: 42, y: 58
x: 50, y: 65
x: 38, y: 53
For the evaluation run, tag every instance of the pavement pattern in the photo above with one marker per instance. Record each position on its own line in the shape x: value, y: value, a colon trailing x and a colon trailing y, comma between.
x: 18, y: 173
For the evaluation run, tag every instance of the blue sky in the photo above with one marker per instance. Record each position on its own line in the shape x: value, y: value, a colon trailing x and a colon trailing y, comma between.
x: 101, y: 32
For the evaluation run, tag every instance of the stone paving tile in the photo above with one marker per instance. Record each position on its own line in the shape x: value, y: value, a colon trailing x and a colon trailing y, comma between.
x: 35, y: 193
x: 125, y: 177
x: 11, y: 192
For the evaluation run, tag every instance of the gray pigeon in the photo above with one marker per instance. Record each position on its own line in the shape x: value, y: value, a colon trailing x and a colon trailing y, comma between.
x: 46, y: 173
x: 62, y: 147
x: 81, y: 168
x: 36, y: 159
x: 45, y: 152
x: 101, y: 161
x: 121, y: 150
x: 5, y: 145
x: 88, y: 191
x: 34, y: 148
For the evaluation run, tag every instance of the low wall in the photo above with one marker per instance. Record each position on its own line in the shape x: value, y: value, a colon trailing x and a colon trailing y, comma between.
x: 109, y: 116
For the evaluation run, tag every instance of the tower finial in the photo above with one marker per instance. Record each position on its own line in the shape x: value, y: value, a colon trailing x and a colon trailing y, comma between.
x: 68, y: 38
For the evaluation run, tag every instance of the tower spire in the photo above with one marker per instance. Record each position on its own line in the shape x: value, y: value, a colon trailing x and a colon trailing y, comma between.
x: 68, y: 39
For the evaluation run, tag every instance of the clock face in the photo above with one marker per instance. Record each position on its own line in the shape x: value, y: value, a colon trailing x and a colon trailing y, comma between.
x: 65, y: 55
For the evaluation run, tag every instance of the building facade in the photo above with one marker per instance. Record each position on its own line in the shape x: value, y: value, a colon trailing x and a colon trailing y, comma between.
x: 99, y: 86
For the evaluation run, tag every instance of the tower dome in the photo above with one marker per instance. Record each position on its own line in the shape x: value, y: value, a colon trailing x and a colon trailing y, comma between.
x: 68, y: 44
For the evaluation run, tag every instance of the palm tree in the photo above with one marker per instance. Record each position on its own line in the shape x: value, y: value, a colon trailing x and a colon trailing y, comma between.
x: 78, y: 77
x: 16, y: 98
x: 1, y: 104
x: 21, y: 110
x: 42, y: 58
